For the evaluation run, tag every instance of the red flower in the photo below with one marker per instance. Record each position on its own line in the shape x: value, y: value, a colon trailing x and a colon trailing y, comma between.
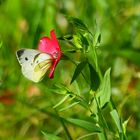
x: 51, y: 46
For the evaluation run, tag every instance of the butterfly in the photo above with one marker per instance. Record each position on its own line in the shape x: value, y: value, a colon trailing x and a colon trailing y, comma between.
x: 34, y: 64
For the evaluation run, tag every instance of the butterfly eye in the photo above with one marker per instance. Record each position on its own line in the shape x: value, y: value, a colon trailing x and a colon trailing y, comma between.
x: 26, y: 58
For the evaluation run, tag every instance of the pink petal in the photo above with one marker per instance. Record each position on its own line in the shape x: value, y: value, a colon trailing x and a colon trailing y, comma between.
x: 51, y: 46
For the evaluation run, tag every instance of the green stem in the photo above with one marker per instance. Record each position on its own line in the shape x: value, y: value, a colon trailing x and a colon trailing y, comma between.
x: 64, y: 126
x: 103, y: 121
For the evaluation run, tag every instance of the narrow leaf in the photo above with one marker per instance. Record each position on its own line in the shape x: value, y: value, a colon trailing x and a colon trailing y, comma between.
x: 49, y: 136
x: 99, y: 38
x: 69, y: 106
x: 77, y: 23
x: 66, y: 37
x: 94, y: 78
x: 78, y: 70
x: 86, y: 135
x: 61, y: 101
x: 125, y: 124
x: 104, y: 92
x: 116, y: 119
x: 84, y: 124
x: 82, y: 102
x: 92, y: 57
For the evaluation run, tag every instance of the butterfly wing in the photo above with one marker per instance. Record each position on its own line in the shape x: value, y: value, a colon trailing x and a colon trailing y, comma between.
x: 34, y: 63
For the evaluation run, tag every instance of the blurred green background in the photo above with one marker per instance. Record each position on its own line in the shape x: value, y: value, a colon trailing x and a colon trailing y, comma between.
x: 26, y: 107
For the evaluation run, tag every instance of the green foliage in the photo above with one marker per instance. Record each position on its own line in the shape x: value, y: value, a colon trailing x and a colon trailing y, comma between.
x: 80, y: 41
x: 78, y: 70
x: 84, y: 124
x: 117, y: 120
x: 104, y: 92
x: 50, y: 136
x: 78, y: 24
x: 94, y: 78
x: 86, y: 98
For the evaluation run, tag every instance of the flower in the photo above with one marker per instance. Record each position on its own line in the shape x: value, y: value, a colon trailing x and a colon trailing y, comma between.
x: 51, y: 46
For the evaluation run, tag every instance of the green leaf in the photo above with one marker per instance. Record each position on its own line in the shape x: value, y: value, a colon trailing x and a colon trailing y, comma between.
x: 125, y: 124
x: 78, y: 24
x: 104, y: 91
x: 97, y: 35
x: 80, y: 41
x: 49, y: 136
x: 78, y: 70
x: 61, y: 101
x: 84, y: 124
x: 81, y: 101
x: 86, y: 135
x: 99, y: 38
x: 94, y: 78
x: 69, y: 106
x: 60, y: 89
x: 133, y: 56
x: 116, y: 119
x: 65, y: 37
x: 92, y: 57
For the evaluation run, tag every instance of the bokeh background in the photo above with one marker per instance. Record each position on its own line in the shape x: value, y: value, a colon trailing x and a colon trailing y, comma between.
x: 26, y: 107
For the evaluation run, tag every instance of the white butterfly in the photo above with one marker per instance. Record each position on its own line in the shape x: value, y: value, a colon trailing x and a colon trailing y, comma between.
x: 34, y: 63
